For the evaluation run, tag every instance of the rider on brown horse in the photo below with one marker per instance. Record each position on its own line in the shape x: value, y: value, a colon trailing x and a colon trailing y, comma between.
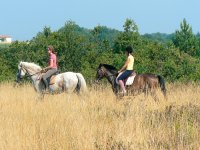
x: 128, y: 67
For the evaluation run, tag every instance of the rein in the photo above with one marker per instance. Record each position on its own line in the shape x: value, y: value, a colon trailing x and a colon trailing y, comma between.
x: 30, y: 75
x: 112, y: 75
x: 106, y: 74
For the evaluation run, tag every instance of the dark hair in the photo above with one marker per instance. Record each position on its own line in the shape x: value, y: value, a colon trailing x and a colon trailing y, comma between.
x: 51, y: 48
x: 129, y: 49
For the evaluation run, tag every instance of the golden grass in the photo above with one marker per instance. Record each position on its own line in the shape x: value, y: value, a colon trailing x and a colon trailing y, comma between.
x: 98, y: 120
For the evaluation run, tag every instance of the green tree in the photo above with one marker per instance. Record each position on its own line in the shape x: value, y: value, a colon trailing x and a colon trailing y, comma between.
x: 47, y: 31
x: 129, y: 37
x: 185, y: 40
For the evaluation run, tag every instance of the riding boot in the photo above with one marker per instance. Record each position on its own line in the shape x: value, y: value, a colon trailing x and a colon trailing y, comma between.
x: 46, y: 85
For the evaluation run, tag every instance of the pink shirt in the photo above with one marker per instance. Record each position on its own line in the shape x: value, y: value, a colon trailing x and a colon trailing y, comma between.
x: 53, y: 57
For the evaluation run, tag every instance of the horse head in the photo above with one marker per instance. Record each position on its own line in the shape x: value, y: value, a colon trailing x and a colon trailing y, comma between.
x: 101, y: 71
x: 105, y: 70
x: 25, y: 68
x: 21, y: 72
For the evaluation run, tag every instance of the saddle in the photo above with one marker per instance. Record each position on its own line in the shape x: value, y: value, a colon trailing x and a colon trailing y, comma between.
x: 129, y: 80
x: 51, y: 79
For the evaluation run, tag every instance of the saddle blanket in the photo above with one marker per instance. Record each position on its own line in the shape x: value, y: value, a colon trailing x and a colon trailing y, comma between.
x: 129, y: 80
x: 51, y: 80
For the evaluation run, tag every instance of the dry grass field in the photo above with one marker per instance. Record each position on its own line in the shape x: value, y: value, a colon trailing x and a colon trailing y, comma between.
x: 99, y: 121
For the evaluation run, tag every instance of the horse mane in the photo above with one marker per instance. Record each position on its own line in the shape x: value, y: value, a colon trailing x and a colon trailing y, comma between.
x: 30, y: 65
x: 109, y: 67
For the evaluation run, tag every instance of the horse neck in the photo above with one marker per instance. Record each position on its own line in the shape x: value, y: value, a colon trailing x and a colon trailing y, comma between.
x: 33, y: 73
x: 111, y: 77
x: 35, y: 77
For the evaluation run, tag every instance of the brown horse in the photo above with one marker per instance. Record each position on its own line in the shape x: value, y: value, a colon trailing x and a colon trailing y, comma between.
x: 146, y: 83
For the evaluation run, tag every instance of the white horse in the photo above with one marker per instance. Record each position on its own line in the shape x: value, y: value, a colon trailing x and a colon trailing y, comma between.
x: 67, y: 81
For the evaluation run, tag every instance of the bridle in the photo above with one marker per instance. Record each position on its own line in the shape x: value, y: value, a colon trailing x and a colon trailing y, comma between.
x: 28, y: 74
x: 104, y: 73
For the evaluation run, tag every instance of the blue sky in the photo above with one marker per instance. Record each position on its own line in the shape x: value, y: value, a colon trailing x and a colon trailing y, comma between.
x: 23, y: 19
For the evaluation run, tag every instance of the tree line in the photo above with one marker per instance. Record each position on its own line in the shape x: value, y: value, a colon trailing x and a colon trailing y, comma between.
x: 174, y: 56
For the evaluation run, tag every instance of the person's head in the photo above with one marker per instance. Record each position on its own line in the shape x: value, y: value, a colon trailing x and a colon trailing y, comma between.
x: 129, y: 50
x: 50, y: 49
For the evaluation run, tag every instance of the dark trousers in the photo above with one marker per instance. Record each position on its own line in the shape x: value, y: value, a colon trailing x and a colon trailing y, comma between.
x: 125, y: 74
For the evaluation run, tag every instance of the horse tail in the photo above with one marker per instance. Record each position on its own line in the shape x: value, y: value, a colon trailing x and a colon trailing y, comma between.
x: 162, y: 85
x: 81, y: 85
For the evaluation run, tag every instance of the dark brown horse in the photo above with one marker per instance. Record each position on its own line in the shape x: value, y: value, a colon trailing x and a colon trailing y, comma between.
x: 146, y: 83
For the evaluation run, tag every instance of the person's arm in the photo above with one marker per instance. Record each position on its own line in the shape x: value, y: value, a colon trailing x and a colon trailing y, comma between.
x: 50, y: 65
x: 124, y: 66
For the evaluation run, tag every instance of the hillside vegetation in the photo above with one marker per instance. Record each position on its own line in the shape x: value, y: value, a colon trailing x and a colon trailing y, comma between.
x: 174, y: 56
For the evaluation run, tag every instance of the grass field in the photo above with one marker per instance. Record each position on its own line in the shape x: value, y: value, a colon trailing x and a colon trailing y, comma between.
x: 98, y: 120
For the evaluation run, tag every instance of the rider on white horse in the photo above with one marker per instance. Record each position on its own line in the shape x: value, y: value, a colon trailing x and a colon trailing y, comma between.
x: 52, y: 68
x: 67, y: 81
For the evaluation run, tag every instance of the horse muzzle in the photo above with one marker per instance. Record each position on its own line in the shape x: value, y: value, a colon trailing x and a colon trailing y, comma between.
x: 18, y: 78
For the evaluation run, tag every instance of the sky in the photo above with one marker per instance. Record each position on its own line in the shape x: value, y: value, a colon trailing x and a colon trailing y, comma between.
x: 23, y: 19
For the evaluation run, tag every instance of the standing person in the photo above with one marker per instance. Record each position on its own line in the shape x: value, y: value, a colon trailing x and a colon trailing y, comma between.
x: 52, y: 68
x: 128, y: 67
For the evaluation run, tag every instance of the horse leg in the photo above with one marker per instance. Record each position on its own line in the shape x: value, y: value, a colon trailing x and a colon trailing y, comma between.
x: 40, y: 97
x: 165, y: 94
x: 68, y: 96
x: 162, y: 86
x: 146, y: 90
x: 154, y: 95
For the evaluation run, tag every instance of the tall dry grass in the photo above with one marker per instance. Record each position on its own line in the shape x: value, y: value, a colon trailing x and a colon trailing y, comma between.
x: 98, y: 120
